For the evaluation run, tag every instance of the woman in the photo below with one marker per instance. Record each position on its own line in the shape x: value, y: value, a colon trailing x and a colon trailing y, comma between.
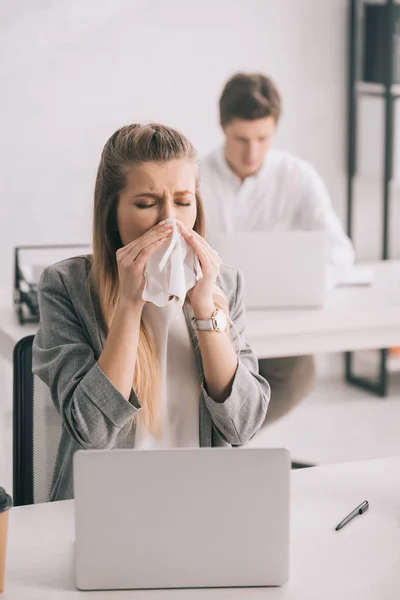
x: 122, y: 372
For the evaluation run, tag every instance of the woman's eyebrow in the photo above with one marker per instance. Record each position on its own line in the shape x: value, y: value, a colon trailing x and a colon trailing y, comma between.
x: 156, y: 196
x: 183, y: 193
x: 147, y: 195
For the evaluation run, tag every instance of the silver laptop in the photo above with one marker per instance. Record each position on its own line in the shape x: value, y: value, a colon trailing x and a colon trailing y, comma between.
x: 210, y: 517
x: 281, y: 269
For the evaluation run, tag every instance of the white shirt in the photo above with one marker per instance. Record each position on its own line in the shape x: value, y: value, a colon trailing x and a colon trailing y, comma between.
x: 285, y: 194
x: 180, y: 389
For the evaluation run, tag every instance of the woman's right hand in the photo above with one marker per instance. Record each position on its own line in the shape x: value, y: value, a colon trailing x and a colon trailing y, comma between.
x: 132, y: 260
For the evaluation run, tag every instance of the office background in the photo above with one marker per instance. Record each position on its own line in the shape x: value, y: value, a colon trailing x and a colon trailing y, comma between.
x: 72, y: 72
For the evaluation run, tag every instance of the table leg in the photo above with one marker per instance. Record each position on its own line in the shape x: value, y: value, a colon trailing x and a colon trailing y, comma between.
x: 379, y: 387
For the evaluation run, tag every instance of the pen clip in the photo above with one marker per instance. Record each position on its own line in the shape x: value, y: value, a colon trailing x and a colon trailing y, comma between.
x: 363, y: 507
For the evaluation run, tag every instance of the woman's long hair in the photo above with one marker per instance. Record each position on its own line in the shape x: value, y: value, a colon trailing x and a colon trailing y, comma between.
x: 129, y: 146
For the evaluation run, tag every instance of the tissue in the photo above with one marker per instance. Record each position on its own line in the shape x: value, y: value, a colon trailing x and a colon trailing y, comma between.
x: 171, y: 271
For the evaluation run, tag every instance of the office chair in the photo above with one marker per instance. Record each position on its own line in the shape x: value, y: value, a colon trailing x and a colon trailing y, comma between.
x: 36, y: 431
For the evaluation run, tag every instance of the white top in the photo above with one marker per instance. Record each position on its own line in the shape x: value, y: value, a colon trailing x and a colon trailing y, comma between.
x: 180, y: 380
x: 359, y: 562
x: 285, y: 194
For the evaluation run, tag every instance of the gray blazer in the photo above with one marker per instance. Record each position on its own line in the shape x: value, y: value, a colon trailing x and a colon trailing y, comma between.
x: 94, y: 413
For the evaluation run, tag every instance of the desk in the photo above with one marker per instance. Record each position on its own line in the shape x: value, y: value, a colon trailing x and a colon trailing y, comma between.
x: 360, y: 562
x: 354, y: 318
x: 11, y: 332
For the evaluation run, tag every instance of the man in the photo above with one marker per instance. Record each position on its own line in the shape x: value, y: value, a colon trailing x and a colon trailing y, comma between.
x: 247, y: 186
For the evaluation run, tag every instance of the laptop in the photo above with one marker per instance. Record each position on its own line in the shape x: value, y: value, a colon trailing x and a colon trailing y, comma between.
x: 181, y: 518
x: 281, y: 269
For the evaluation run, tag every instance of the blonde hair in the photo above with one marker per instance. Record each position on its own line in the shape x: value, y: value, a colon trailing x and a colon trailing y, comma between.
x: 132, y: 145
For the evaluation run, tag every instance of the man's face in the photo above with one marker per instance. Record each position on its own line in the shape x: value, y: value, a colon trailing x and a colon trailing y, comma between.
x: 246, y: 144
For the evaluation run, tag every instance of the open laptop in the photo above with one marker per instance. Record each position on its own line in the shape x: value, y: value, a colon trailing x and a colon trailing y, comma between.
x: 281, y: 269
x: 209, y: 517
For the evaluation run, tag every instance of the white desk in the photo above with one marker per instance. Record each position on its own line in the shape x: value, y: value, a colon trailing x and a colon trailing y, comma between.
x: 11, y: 332
x: 355, y: 318
x: 360, y: 562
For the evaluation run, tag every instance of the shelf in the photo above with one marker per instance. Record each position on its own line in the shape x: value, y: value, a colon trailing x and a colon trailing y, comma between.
x: 376, y: 89
x: 361, y: 179
x: 373, y: 53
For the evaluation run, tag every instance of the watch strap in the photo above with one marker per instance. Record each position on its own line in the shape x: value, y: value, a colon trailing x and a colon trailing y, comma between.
x: 204, y: 324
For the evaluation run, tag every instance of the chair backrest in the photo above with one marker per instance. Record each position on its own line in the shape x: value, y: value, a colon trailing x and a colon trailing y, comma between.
x: 36, y: 431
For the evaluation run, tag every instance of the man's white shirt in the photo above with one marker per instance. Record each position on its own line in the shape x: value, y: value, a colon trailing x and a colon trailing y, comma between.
x: 286, y: 194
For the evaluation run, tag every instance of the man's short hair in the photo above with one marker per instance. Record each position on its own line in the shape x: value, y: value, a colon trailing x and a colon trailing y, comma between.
x: 249, y: 97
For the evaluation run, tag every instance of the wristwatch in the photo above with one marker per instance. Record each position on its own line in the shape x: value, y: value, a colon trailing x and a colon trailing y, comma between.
x: 218, y: 322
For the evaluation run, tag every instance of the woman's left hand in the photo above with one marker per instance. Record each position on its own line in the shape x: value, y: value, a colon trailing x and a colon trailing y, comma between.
x: 201, y: 295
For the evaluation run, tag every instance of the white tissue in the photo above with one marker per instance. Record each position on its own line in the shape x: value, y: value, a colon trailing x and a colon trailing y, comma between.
x: 171, y: 271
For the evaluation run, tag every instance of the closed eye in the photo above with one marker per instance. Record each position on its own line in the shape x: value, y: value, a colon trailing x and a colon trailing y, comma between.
x: 139, y: 205
x: 142, y: 205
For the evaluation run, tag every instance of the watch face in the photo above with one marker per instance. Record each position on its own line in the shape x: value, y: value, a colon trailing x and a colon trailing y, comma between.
x: 221, y: 321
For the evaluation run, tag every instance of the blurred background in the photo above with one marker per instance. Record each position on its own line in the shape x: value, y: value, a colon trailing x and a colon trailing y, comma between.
x: 73, y: 71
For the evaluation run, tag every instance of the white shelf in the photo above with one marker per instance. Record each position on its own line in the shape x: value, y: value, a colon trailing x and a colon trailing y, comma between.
x: 378, y: 89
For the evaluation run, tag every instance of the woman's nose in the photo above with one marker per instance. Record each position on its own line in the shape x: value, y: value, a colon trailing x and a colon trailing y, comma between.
x: 167, y: 212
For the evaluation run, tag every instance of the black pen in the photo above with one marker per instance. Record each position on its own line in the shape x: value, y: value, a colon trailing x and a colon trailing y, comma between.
x: 360, y: 510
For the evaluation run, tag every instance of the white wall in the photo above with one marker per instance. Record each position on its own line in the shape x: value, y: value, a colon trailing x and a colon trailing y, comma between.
x: 72, y: 72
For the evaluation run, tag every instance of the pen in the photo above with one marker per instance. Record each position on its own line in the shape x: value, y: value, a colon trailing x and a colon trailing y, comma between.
x: 360, y: 510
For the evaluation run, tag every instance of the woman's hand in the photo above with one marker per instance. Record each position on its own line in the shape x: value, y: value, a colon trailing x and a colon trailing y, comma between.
x: 201, y: 295
x: 132, y: 260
